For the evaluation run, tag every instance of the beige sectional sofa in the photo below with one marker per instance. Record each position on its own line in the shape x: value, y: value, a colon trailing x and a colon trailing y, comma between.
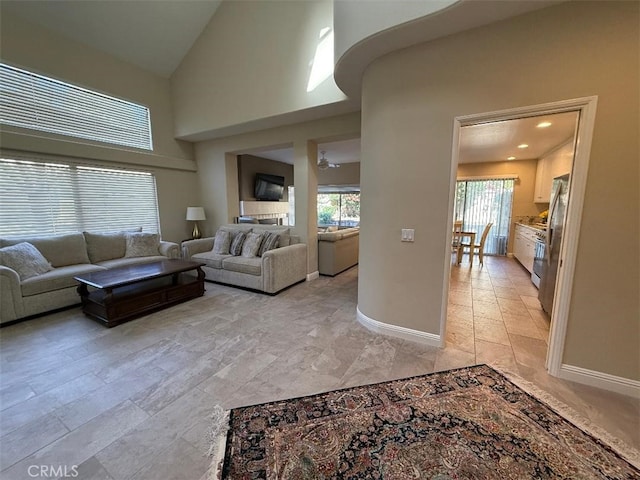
x: 44, y: 279
x: 338, y: 250
x: 268, y: 272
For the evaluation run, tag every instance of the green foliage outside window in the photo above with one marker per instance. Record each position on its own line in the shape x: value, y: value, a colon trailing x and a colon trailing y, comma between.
x: 341, y: 209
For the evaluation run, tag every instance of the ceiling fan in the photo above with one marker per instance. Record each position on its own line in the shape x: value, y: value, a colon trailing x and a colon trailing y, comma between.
x: 323, y: 163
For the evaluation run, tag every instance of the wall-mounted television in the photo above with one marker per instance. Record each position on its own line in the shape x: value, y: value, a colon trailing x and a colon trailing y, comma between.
x: 268, y: 187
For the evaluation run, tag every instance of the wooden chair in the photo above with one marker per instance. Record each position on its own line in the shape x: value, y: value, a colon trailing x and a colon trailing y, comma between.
x: 456, y: 238
x: 478, y: 246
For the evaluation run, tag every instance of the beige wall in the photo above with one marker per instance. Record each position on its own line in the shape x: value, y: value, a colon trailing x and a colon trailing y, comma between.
x: 347, y: 174
x: 252, y: 62
x: 249, y: 165
x: 37, y: 49
x: 410, y: 99
x: 523, y: 206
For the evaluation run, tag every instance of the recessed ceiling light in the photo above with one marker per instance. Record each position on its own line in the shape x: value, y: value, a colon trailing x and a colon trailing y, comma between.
x: 543, y: 124
x: 511, y: 158
x: 523, y: 145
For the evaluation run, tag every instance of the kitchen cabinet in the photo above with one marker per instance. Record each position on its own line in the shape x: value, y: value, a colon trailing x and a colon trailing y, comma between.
x: 556, y: 163
x: 524, y: 245
x: 544, y: 180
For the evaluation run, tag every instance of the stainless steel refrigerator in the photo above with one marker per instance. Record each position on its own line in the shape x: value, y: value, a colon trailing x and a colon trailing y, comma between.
x: 555, y: 226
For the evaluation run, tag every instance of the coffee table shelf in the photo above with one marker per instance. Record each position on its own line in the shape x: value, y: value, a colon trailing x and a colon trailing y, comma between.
x: 122, y: 294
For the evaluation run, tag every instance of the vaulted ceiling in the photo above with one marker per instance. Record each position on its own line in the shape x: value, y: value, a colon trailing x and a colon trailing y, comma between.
x: 154, y: 35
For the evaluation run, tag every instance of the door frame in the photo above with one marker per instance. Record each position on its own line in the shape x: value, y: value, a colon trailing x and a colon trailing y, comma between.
x: 586, y: 106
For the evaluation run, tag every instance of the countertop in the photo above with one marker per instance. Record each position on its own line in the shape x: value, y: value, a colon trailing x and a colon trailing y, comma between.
x: 534, y: 226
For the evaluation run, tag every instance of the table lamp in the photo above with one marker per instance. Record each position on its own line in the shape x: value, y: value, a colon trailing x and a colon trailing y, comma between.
x: 195, y: 214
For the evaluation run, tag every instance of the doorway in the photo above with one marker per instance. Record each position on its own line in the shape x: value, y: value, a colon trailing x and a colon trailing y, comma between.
x: 585, y: 107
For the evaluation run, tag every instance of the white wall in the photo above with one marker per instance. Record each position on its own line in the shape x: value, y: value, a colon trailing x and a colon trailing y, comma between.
x: 358, y: 20
x: 410, y: 99
x: 34, y: 48
x: 252, y: 62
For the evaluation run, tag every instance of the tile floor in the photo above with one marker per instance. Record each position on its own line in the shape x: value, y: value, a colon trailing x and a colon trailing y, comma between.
x: 133, y: 402
x: 495, y: 315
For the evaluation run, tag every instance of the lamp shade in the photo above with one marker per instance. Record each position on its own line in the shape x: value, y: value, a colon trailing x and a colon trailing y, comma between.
x: 195, y: 213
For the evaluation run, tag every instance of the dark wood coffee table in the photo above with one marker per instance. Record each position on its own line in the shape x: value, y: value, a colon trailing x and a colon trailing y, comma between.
x: 123, y: 293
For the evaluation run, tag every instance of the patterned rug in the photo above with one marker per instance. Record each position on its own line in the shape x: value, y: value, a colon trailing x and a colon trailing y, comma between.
x: 469, y: 423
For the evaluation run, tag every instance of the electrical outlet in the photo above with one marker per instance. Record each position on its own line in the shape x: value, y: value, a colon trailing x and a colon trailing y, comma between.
x: 407, y: 234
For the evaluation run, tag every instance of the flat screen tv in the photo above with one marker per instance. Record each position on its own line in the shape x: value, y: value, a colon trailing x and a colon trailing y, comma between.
x: 268, y: 187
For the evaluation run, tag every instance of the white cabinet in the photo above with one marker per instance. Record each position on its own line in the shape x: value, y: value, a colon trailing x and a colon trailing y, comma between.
x: 524, y: 246
x: 544, y: 180
x: 556, y: 163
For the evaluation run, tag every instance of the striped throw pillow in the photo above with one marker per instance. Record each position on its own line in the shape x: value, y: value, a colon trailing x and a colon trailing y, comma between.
x: 236, y: 246
x: 269, y: 242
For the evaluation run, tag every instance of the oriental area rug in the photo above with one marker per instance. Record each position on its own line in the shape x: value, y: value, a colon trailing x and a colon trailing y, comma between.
x: 468, y: 423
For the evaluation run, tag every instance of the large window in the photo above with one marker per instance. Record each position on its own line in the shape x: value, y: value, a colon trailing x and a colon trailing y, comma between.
x: 339, y: 208
x: 37, y: 102
x: 479, y: 202
x: 44, y: 196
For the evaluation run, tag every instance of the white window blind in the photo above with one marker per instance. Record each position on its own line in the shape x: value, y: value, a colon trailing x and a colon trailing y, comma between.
x: 37, y: 102
x: 45, y: 197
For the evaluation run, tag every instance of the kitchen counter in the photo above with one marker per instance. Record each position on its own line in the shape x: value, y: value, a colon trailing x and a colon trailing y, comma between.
x: 534, y: 226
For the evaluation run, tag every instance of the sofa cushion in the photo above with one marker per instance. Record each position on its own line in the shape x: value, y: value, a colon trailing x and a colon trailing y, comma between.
x: 142, y: 244
x: 248, y: 265
x: 124, y: 261
x: 222, y: 242
x: 25, y: 259
x: 251, y: 244
x: 56, y: 279
x: 60, y: 250
x: 105, y: 246
x: 270, y: 241
x: 236, y: 244
x: 212, y: 259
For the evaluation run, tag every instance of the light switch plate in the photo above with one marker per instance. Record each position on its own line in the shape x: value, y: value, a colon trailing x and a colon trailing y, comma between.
x: 408, y: 234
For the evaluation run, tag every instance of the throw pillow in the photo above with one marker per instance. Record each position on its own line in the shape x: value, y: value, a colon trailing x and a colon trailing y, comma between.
x: 251, y: 245
x: 269, y: 242
x: 222, y: 243
x: 236, y: 245
x: 142, y: 244
x: 25, y: 259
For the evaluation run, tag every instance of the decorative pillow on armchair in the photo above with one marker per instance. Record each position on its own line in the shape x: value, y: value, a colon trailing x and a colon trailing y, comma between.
x: 142, y: 244
x: 25, y: 259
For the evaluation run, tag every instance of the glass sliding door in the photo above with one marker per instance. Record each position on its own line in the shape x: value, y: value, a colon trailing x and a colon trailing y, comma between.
x: 479, y: 202
x: 339, y: 208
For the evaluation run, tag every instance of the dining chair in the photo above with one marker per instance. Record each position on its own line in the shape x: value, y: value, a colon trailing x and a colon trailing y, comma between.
x: 457, y: 235
x: 478, y: 246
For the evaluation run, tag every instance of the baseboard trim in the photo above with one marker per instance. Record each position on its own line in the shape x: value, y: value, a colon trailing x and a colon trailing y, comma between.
x: 398, y: 332
x: 313, y: 276
x: 605, y: 381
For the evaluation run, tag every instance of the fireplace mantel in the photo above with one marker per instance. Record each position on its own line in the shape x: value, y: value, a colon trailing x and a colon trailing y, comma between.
x: 263, y: 210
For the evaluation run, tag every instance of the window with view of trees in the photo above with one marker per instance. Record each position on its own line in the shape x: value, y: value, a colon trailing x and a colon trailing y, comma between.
x: 478, y: 202
x: 339, y: 208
